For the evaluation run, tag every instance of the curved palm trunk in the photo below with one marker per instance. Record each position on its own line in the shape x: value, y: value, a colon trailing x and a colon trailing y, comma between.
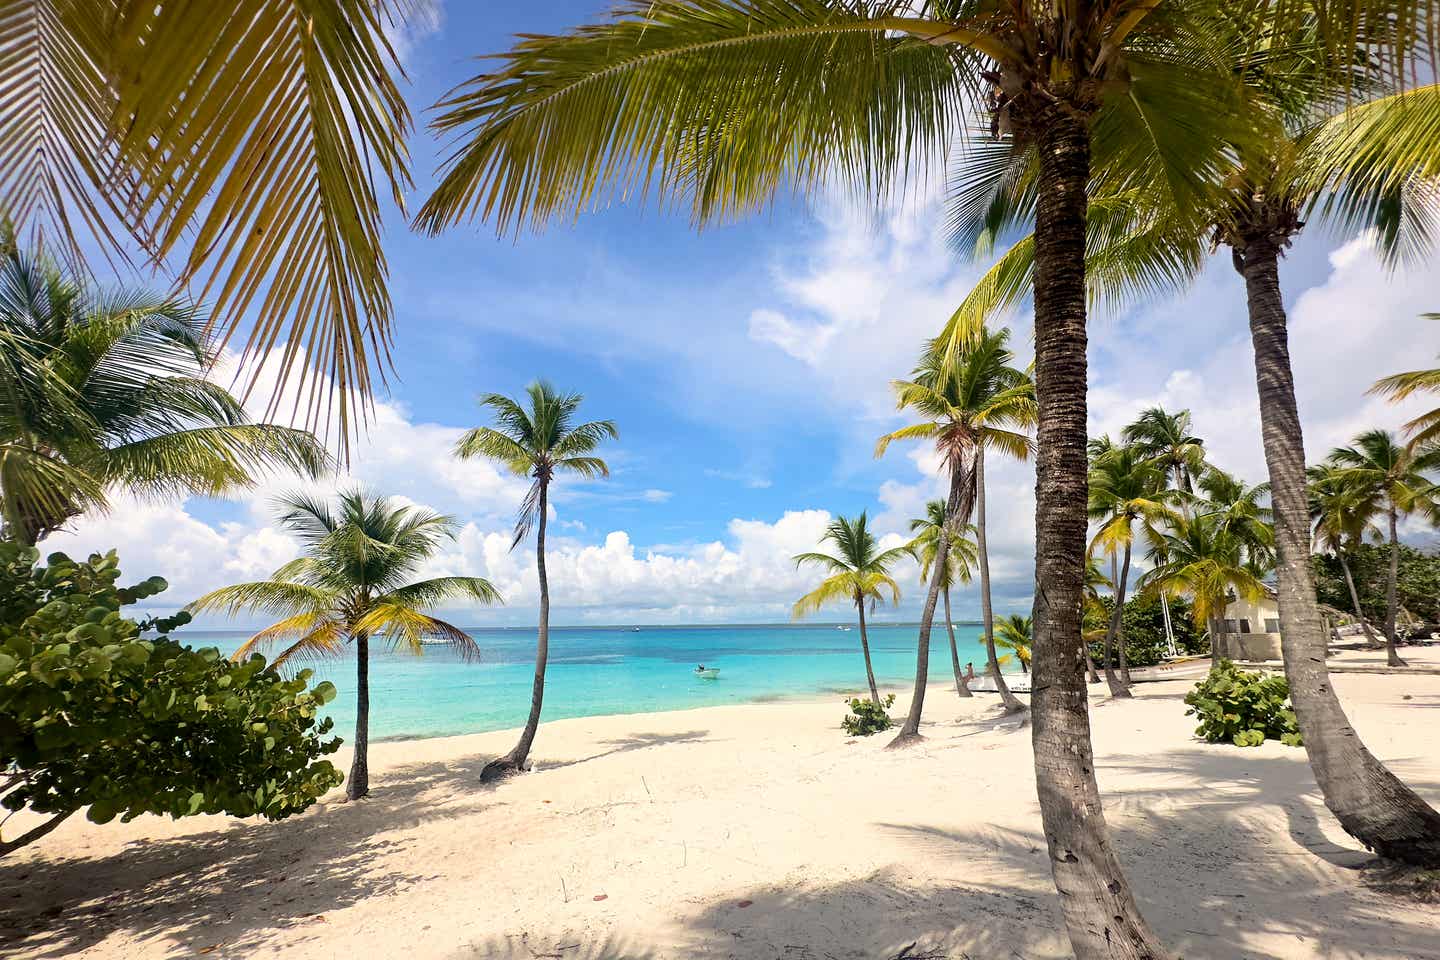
x: 1391, y: 606
x: 1008, y: 700
x: 962, y: 685
x: 865, y: 649
x: 1101, y: 914
x: 358, y: 784
x: 515, y: 760
x: 1090, y: 675
x: 1355, y: 598
x: 1370, y: 802
x: 1117, y: 687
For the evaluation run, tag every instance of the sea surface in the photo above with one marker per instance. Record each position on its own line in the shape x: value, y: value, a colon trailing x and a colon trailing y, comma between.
x: 594, y: 671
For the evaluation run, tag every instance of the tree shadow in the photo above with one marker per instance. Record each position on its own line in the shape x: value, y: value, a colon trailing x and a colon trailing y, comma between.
x: 635, y: 741
x: 552, y: 947
x: 208, y: 885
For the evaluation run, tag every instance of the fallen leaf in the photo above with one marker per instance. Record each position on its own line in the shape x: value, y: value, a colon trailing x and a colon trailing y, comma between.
x: 600, y: 896
x: 209, y: 949
x: 744, y: 903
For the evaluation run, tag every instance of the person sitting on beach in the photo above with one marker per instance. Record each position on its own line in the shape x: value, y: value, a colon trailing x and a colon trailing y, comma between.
x: 970, y: 671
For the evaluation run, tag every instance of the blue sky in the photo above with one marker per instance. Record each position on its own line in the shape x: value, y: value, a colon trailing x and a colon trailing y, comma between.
x: 747, y: 368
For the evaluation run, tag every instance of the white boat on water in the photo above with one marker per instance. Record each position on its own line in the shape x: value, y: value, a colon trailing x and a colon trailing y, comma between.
x: 707, y: 673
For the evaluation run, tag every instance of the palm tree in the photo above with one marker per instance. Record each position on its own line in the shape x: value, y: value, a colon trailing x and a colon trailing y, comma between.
x: 537, y: 442
x: 1014, y: 633
x: 352, y: 585
x: 720, y: 104
x: 971, y: 401
x: 858, y: 574
x: 1391, y: 479
x: 1426, y: 427
x: 104, y: 391
x: 267, y: 202
x: 1094, y: 607
x: 1202, y: 560
x: 961, y: 558
x: 1343, y: 512
x: 1166, y: 439
x: 1125, y: 486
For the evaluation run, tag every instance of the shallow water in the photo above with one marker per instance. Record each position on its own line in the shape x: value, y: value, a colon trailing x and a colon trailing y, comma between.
x: 595, y: 671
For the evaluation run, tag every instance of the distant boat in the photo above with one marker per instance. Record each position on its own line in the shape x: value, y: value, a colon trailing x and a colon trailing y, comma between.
x: 842, y: 627
x: 635, y: 629
x: 707, y: 673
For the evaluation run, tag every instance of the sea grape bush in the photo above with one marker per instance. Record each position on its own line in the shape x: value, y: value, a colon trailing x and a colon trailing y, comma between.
x: 867, y: 717
x: 1243, y: 708
x: 94, y: 711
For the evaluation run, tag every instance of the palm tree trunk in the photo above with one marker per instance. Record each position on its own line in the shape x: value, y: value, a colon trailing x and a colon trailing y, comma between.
x: 962, y: 685
x: 1355, y: 598
x: 1391, y: 657
x: 1008, y: 700
x: 358, y: 784
x: 1169, y: 628
x: 1117, y: 687
x: 1218, y: 651
x: 865, y: 649
x: 1101, y: 914
x: 1120, y: 621
x: 1090, y: 675
x: 515, y: 761
x: 1370, y: 802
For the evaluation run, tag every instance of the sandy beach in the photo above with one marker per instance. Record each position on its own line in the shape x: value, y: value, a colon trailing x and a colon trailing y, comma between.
x: 756, y: 831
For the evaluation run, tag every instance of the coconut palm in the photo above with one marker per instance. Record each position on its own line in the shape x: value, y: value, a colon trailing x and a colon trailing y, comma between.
x: 1166, y: 438
x: 1426, y: 427
x: 961, y: 558
x: 238, y: 145
x: 969, y: 402
x: 1126, y: 486
x: 353, y: 585
x: 105, y: 391
x: 717, y: 105
x: 536, y: 440
x: 1392, y: 480
x: 1014, y: 633
x: 1343, y: 512
x: 1240, y: 511
x: 858, y: 573
x: 1201, y: 560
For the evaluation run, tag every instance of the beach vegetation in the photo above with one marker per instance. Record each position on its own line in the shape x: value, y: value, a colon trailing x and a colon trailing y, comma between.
x: 867, y: 717
x: 109, y: 390
x: 1016, y: 634
x: 1367, y: 567
x: 352, y: 585
x: 1243, y: 707
x: 100, y: 710
x: 858, y: 572
x: 536, y: 438
x: 961, y: 558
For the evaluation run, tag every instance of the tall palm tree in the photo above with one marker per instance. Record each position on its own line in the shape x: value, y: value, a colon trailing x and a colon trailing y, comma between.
x: 1426, y: 427
x: 1343, y: 512
x: 1166, y: 438
x: 720, y: 104
x: 1240, y: 510
x: 1126, y: 485
x: 1014, y: 633
x: 1323, y: 147
x: 156, y: 129
x: 537, y: 442
x: 352, y: 585
x: 961, y: 557
x: 859, y: 573
x: 105, y: 391
x: 1392, y: 479
x: 969, y: 402
x: 1200, y: 559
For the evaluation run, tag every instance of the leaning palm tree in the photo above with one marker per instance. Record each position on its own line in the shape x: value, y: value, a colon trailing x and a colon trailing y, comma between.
x: 718, y: 105
x: 1426, y: 427
x: 104, y: 391
x: 1014, y: 633
x: 1199, y: 559
x: 971, y: 402
x: 1394, y: 481
x: 859, y: 573
x: 1125, y: 486
x: 243, y: 147
x: 1344, y: 512
x: 537, y: 442
x: 353, y: 585
x: 961, y: 558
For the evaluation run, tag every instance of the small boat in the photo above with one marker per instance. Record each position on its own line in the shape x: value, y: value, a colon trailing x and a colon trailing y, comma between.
x: 707, y: 673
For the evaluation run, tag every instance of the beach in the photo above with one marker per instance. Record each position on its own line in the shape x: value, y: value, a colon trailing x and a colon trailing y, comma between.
x: 751, y: 831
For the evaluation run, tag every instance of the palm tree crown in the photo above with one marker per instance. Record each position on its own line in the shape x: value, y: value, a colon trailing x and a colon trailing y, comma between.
x: 1201, y: 559
x: 1014, y: 634
x: 961, y: 552
x: 1426, y: 427
x: 104, y: 390
x: 859, y: 571
x: 1377, y: 463
x: 1166, y: 438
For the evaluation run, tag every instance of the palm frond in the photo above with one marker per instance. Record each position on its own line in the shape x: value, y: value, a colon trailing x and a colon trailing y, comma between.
x: 405, y: 626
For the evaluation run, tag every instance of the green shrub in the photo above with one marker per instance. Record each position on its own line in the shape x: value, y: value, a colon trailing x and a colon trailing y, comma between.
x: 95, y: 712
x: 867, y: 716
x: 1242, y: 707
x: 1143, y: 624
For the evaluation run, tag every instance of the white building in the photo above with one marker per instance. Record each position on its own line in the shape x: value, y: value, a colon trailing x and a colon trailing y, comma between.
x: 1251, y: 631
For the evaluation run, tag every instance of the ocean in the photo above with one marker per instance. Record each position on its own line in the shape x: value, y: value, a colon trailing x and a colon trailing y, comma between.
x: 594, y: 671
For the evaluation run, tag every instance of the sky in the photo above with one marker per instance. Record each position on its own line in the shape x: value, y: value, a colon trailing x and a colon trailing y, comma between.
x: 747, y: 367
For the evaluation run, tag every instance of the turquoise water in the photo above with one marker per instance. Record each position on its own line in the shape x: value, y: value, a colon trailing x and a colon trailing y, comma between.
x: 595, y: 671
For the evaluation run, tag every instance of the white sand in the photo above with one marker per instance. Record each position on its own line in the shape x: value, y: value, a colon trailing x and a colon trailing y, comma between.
x: 751, y: 832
